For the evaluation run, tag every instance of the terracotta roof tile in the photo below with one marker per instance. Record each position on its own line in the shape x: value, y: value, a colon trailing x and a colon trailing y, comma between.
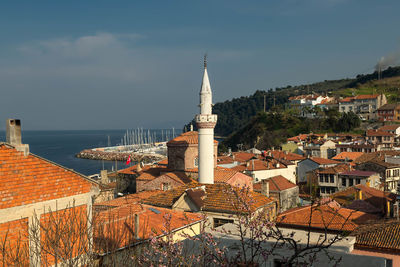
x: 366, y: 96
x: 373, y: 196
x: 335, y: 169
x: 224, y: 160
x: 219, y: 197
x: 383, y: 236
x: 388, y: 128
x: 378, y: 133
x: 188, y: 138
x: 117, y: 224
x: 322, y: 161
x: 348, y: 155
x: 324, y: 217
x: 127, y: 199
x: 29, y: 179
x: 243, y: 156
x: 279, y: 183
x: 279, y: 154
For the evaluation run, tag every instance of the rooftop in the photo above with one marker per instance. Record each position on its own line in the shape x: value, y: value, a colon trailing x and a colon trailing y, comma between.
x: 188, y: 138
x: 29, y: 179
x: 324, y: 216
x: 277, y: 183
x: 348, y: 156
x: 383, y: 236
x: 219, y: 197
x: 322, y: 161
x: 358, y: 173
x: 373, y: 196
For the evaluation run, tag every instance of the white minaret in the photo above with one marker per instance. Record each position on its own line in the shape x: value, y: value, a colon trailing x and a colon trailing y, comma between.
x: 206, y: 122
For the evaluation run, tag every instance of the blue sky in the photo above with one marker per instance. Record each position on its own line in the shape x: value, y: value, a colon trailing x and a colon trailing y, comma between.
x: 128, y: 64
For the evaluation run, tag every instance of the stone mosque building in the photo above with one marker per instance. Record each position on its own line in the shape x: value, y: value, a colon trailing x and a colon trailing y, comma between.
x: 192, y: 157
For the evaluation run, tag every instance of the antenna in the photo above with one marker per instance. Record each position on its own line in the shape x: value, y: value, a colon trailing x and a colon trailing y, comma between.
x: 205, y: 60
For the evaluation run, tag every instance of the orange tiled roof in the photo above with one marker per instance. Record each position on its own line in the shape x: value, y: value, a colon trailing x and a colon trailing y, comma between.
x: 298, y: 138
x: 388, y: 128
x: 188, y: 138
x: 277, y: 183
x: 324, y: 217
x: 29, y: 179
x: 239, y: 168
x: 375, y: 197
x: 222, y: 175
x: 279, y: 154
x: 378, y: 133
x: 149, y: 173
x: 116, y: 225
x: 335, y: 169
x: 163, y: 162
x: 224, y: 160
x: 128, y: 199
x: 349, y: 155
x: 366, y: 96
x: 180, y: 177
x: 259, y: 165
x: 322, y: 161
x: 347, y: 99
x: 383, y: 236
x: 219, y: 197
x: 379, y: 155
x: 243, y: 156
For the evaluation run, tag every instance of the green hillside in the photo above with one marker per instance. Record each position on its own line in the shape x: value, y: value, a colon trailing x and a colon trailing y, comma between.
x: 234, y: 114
x: 271, y: 129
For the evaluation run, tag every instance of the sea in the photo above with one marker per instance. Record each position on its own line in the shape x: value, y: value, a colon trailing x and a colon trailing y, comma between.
x: 62, y: 146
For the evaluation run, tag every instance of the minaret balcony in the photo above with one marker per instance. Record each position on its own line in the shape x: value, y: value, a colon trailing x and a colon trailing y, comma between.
x: 206, y: 120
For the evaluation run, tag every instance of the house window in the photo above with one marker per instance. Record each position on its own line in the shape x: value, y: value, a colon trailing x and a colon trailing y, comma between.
x: 343, y: 181
x: 322, y: 190
x: 196, y: 162
x: 332, y: 178
x: 326, y: 178
x: 321, y: 178
x: 351, y: 182
x: 165, y: 186
x: 358, y: 181
x: 221, y: 221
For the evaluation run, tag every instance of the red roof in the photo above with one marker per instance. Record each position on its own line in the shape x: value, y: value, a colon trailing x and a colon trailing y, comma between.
x: 348, y: 155
x: 279, y: 154
x: 117, y: 225
x: 322, y: 161
x: 366, y: 96
x: 29, y: 179
x: 243, y: 156
x: 324, y: 217
x: 378, y: 133
x: 389, y: 128
x: 219, y: 197
x: 277, y: 183
x: 347, y: 99
x: 188, y: 138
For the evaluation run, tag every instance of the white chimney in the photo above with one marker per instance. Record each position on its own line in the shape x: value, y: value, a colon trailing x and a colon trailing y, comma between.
x: 13, y: 136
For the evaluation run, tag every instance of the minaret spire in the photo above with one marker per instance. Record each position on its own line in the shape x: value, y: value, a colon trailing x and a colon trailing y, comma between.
x: 206, y: 122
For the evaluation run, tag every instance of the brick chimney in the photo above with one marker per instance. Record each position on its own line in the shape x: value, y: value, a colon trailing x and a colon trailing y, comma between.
x: 265, y: 188
x: 13, y: 136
